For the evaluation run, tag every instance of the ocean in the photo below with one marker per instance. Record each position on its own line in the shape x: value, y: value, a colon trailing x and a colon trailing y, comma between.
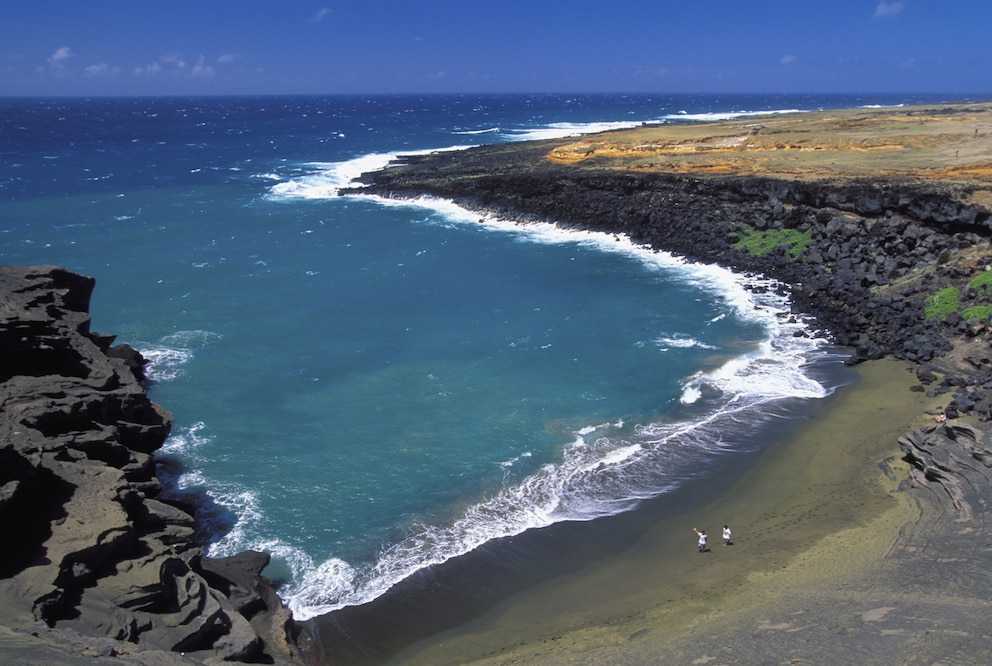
x: 366, y: 389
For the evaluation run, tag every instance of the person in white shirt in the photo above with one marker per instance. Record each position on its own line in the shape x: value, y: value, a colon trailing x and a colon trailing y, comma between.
x: 702, y: 539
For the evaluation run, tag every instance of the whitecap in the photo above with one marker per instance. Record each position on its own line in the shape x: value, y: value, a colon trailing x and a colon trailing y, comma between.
x: 324, y: 180
x: 168, y: 357
x: 690, y: 394
x: 680, y: 342
x: 491, y: 130
x: 725, y: 115
x: 185, y: 440
x: 564, y: 130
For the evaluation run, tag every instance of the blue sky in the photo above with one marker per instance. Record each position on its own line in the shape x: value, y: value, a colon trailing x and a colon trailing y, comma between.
x: 170, y: 47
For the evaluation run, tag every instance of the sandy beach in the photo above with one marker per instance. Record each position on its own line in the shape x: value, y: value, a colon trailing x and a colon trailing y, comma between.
x: 817, y: 572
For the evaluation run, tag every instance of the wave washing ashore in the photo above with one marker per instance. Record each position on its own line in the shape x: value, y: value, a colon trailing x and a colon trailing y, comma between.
x: 365, y: 387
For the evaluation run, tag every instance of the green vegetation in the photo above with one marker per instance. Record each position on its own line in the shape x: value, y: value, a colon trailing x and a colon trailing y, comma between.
x: 943, y: 304
x: 947, y: 301
x: 983, y: 283
x: 980, y: 312
x: 759, y: 243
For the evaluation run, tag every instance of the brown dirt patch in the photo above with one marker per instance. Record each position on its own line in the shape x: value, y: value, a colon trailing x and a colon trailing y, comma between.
x: 950, y: 142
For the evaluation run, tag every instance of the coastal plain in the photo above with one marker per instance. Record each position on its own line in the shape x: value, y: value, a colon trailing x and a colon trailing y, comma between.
x: 847, y: 549
x: 947, y: 143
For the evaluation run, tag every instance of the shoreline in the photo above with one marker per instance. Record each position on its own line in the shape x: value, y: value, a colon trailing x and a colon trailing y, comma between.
x: 862, y: 250
x: 445, y: 596
x: 813, y: 512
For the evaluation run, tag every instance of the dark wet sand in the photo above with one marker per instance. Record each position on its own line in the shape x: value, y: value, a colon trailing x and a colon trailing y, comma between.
x: 820, y: 571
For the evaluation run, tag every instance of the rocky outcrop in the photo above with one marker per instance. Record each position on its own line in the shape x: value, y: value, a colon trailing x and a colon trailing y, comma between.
x: 92, y: 555
x: 952, y: 462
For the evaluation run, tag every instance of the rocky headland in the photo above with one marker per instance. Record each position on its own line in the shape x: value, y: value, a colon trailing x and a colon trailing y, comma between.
x: 96, y: 565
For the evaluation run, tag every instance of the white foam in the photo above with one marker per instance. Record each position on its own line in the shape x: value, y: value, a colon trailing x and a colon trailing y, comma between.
x: 325, y: 180
x: 491, y: 130
x: 563, y: 130
x: 187, y: 443
x: 680, y: 342
x: 186, y: 440
x: 168, y: 357
x: 244, y: 504
x: 690, y: 394
x: 724, y: 115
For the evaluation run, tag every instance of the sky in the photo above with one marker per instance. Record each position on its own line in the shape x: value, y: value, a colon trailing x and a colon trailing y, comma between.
x: 250, y: 47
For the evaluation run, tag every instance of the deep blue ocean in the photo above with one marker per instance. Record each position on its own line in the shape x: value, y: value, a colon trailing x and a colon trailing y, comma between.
x: 363, y: 388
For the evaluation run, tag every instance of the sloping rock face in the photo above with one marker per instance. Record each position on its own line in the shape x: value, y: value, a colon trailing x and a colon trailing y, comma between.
x: 953, y: 462
x: 90, y: 551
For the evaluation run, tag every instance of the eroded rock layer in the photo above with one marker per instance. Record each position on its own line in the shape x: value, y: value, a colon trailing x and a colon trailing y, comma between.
x: 92, y: 556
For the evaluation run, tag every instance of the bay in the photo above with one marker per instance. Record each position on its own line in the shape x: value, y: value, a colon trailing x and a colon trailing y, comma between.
x: 366, y: 388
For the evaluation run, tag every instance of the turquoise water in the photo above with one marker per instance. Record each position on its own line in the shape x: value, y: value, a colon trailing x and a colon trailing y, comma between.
x: 362, y: 387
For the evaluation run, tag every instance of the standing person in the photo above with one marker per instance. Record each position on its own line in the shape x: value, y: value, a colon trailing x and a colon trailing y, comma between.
x: 726, y: 535
x: 702, y: 539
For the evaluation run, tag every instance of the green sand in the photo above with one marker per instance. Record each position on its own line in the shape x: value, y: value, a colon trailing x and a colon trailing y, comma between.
x: 815, y: 513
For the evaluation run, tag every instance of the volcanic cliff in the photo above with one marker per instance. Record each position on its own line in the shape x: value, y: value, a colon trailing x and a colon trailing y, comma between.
x: 95, y: 564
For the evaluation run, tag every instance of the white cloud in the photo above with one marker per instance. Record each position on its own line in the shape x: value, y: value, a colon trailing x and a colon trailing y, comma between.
x: 153, y: 68
x: 319, y: 16
x: 889, y: 9
x: 201, y: 68
x: 174, y: 60
x: 176, y: 65
x: 100, y: 69
x: 61, y: 53
x: 787, y: 59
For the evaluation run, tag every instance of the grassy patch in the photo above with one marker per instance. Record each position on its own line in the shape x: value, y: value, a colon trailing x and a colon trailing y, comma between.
x: 943, y: 304
x: 759, y: 243
x: 980, y: 312
x: 977, y: 297
x: 983, y: 283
